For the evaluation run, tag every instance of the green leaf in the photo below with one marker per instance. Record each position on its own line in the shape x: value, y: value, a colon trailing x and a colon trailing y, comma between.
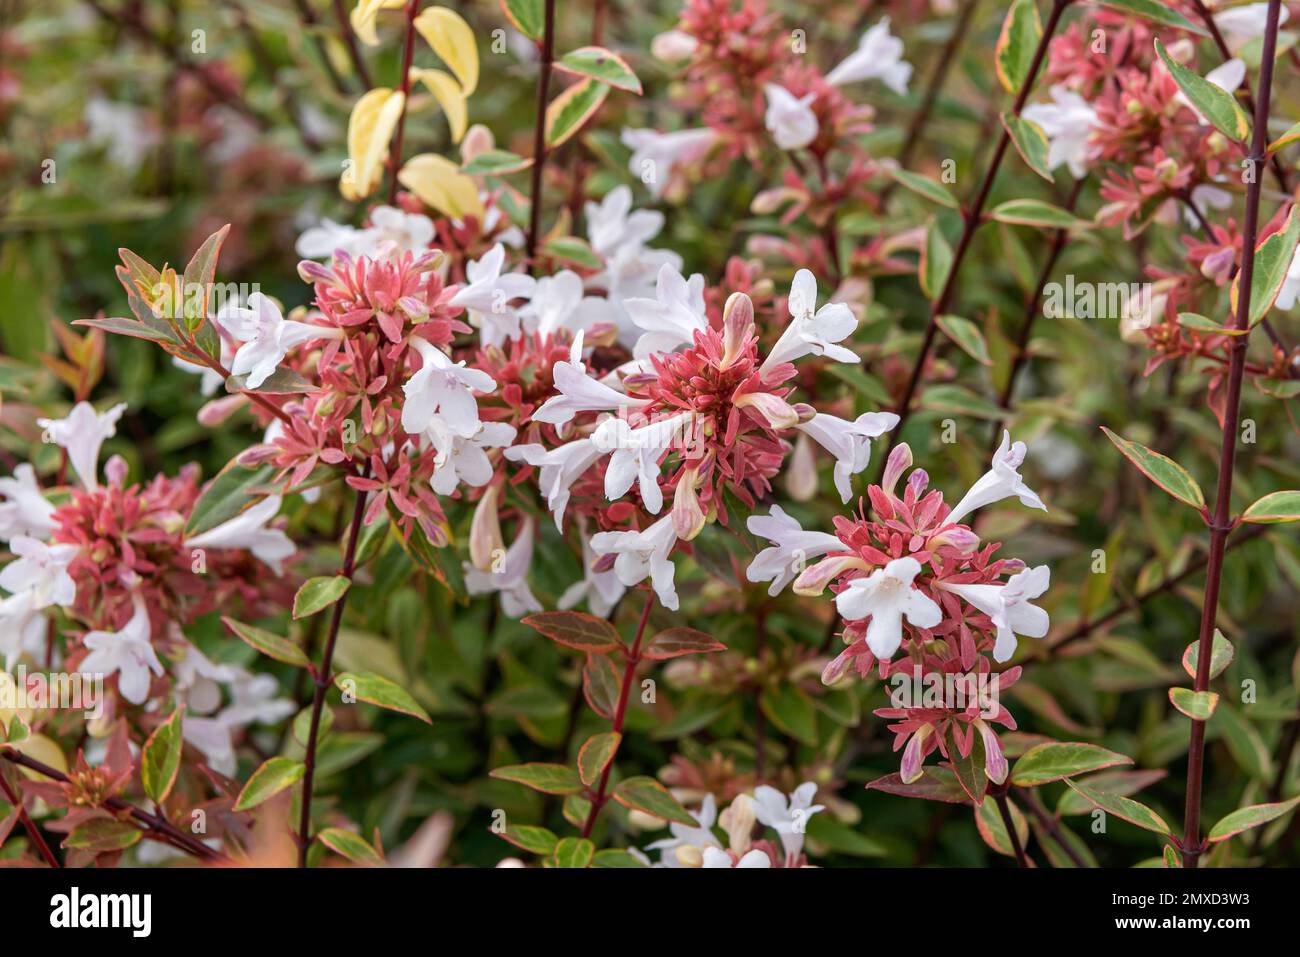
x: 547, y: 778
x: 675, y: 642
x: 234, y: 489
x: 960, y: 400
x: 269, y: 644
x: 318, y: 593
x: 924, y: 186
x: 842, y: 839
x: 650, y: 797
x: 1245, y: 744
x: 936, y: 261
x: 1035, y: 212
x: 270, y: 779
x: 495, y: 163
x: 1055, y: 761
x: 934, y: 784
x: 567, y: 113
x: 988, y: 821
x: 969, y: 770
x: 1286, y: 139
x: 575, y: 629
x: 1214, y: 103
x: 161, y: 758
x: 615, y: 857
x: 1162, y: 470
x: 791, y: 710
x: 601, y: 685
x: 1273, y: 508
x: 442, y: 563
x: 1129, y: 810
x: 1243, y: 819
x: 1221, y: 654
x: 968, y: 337
x: 527, y: 16
x: 103, y: 835
x: 1155, y: 12
x: 1197, y: 705
x: 280, y: 382
x: 536, y: 840
x: 374, y: 689
x: 1199, y: 323
x: 572, y: 249
x: 574, y: 852
x: 595, y: 755
x: 1121, y: 782
x: 355, y: 848
x: 202, y: 269
x: 600, y: 64
x: 1030, y: 142
x: 1014, y: 54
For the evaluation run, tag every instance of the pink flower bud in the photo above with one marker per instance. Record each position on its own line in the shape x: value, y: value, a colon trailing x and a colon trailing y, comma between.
x: 778, y: 413
x: 814, y: 579
x: 485, y: 540
x: 899, y: 459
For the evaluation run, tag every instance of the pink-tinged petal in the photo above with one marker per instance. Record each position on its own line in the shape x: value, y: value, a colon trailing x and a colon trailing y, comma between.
x: 995, y: 762
x: 914, y: 755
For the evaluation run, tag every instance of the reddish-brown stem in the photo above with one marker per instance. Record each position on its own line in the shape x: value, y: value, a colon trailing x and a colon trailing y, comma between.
x: 33, y: 832
x: 323, y: 676
x: 155, y: 826
x: 408, y: 56
x: 350, y: 40
x: 973, y: 217
x: 630, y: 660
x: 1221, y: 519
x: 1004, y: 808
x: 547, y: 54
x: 1032, y: 303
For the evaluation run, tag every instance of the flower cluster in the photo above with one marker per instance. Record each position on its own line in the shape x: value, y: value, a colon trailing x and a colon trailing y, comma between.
x: 915, y: 576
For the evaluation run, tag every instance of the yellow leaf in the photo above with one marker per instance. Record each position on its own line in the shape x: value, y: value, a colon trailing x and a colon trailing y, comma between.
x: 45, y: 750
x: 369, y: 129
x: 449, y: 96
x: 438, y: 183
x: 453, y: 40
x: 364, y: 15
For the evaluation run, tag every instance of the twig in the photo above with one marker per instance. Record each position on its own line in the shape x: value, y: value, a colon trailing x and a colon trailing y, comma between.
x: 323, y: 676
x: 311, y: 24
x: 1004, y: 808
x: 1032, y: 303
x: 1221, y: 521
x: 408, y: 54
x: 350, y: 40
x: 630, y: 661
x: 33, y: 832
x: 973, y: 217
x: 539, y: 136
x: 1053, y: 827
x: 155, y: 826
x: 932, y: 87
